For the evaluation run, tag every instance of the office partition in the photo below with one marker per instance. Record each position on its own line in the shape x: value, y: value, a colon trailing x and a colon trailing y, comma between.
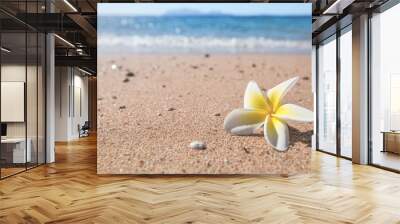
x: 23, y: 88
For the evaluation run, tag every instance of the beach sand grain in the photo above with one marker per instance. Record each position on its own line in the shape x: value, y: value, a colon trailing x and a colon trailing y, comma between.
x: 139, y: 133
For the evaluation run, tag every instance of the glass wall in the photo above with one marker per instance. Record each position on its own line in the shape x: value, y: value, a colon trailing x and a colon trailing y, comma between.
x: 13, y: 86
x: 22, y: 88
x: 327, y: 95
x: 345, y: 92
x: 385, y: 89
x: 334, y: 65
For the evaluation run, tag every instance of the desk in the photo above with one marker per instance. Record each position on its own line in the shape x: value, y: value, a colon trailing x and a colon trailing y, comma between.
x: 391, y: 141
x: 15, y: 148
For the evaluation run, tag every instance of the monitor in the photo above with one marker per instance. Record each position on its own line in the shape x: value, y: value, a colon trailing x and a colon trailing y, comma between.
x: 3, y: 129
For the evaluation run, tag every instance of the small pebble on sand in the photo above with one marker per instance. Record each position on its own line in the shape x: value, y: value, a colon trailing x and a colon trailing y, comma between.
x: 194, y: 67
x: 171, y: 109
x: 163, y: 86
x: 125, y: 80
x: 226, y: 161
x: 253, y: 65
x: 114, y: 97
x: 207, y: 55
x: 159, y: 114
x: 306, y: 78
x: 199, y: 145
x: 122, y: 107
x: 217, y: 114
x: 130, y: 74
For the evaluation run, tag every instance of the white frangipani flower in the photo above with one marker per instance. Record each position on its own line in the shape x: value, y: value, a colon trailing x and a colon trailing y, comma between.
x: 267, y: 111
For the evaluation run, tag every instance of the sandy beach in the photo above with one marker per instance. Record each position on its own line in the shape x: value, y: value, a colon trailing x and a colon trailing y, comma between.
x: 152, y: 106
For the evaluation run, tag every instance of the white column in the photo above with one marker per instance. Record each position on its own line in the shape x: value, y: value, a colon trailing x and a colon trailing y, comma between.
x: 50, y: 99
x: 63, y: 100
x: 50, y: 92
x: 360, y: 90
x: 314, y: 91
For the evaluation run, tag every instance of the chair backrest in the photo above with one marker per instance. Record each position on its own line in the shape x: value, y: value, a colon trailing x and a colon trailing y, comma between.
x: 86, y: 125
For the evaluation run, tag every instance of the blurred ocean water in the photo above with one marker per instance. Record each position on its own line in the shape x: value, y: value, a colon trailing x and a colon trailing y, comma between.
x: 204, y: 33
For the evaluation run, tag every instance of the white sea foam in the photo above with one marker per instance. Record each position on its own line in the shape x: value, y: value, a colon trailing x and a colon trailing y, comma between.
x: 182, y: 43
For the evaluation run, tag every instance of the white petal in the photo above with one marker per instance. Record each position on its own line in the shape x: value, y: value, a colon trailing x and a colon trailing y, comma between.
x: 244, y: 121
x: 291, y: 112
x: 254, y: 98
x: 276, y: 133
x: 276, y: 94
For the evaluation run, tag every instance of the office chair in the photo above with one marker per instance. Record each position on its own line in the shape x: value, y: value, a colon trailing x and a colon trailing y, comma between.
x: 84, y: 130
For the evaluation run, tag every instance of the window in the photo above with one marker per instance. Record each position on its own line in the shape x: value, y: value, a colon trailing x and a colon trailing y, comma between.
x: 346, y: 93
x: 385, y: 89
x: 327, y: 95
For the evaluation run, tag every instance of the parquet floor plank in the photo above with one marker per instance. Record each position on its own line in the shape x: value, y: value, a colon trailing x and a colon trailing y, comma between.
x: 70, y: 191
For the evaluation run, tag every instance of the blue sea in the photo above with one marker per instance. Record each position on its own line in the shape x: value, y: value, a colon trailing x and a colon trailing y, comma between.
x: 204, y: 34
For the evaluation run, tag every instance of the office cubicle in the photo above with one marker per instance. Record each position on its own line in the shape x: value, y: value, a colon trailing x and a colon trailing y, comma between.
x: 22, y: 92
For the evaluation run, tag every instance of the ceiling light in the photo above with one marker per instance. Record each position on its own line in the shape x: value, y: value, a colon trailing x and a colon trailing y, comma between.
x: 84, y: 71
x: 338, y: 6
x: 5, y: 50
x: 79, y: 51
x: 70, y: 5
x: 65, y: 41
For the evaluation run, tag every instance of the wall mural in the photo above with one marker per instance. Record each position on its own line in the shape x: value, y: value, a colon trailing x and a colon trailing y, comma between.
x: 215, y: 88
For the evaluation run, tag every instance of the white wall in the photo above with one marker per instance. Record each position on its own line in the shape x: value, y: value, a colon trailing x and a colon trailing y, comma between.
x: 70, y: 81
x: 62, y: 82
x: 33, y: 126
x: 12, y: 73
x: 78, y: 117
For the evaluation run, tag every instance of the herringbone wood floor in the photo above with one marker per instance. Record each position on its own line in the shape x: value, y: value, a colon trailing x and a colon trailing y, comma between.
x: 69, y: 191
